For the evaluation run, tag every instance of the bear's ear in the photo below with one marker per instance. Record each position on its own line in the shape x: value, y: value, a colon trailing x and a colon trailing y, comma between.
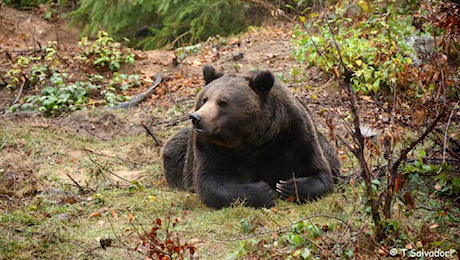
x: 210, y: 74
x: 262, y: 82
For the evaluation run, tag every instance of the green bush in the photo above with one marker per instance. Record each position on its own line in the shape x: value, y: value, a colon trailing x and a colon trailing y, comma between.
x: 105, y: 52
x: 165, y: 21
x: 374, y: 48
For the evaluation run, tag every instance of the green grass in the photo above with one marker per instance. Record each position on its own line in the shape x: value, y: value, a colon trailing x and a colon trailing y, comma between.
x: 47, y: 217
x: 36, y: 226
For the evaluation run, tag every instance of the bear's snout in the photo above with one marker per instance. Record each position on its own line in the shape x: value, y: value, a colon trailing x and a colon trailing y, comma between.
x: 196, y: 118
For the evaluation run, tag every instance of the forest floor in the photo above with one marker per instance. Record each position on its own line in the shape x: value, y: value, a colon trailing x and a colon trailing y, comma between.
x: 69, y: 182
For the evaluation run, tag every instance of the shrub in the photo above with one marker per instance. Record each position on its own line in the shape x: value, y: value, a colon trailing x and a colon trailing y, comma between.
x: 374, y: 47
x: 104, y: 52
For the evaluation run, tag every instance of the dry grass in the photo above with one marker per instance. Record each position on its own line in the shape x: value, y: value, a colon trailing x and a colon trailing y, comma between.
x: 45, y: 215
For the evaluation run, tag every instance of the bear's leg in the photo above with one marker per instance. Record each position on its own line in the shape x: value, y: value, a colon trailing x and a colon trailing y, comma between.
x: 174, y: 153
x: 219, y: 192
x: 305, y: 188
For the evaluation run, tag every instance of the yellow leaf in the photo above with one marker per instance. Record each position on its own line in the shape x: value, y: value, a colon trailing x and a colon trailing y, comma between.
x: 314, y: 96
x: 151, y: 198
x: 363, y: 6
x: 359, y: 62
x: 302, y: 18
x: 314, y: 15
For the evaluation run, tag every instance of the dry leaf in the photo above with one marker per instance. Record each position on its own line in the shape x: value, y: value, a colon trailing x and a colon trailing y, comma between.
x: 437, y: 186
x: 114, y: 214
x: 290, y: 199
x: 366, y: 98
x: 400, y: 182
x: 95, y: 214
x: 433, y: 226
x: 410, y: 203
x: 130, y: 217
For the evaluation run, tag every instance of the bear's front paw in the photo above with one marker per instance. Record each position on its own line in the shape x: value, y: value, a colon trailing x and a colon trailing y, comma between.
x: 262, y: 196
x: 287, y: 190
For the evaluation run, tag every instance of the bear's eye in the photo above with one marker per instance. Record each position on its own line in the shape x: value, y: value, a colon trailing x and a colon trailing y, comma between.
x: 204, y: 100
x: 222, y: 103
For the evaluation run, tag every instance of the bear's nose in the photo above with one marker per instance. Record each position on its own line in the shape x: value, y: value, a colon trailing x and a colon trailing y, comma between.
x: 196, y: 118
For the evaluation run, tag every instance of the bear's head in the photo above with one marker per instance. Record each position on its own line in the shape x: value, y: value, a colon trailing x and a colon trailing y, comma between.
x: 232, y: 110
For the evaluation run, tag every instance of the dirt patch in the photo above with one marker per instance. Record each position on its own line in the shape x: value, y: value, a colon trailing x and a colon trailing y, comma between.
x: 105, y: 126
x: 21, y: 30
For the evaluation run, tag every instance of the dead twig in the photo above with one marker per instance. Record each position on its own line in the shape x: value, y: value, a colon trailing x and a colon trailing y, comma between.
x: 150, y: 132
x: 76, y: 183
x: 445, y: 137
x: 296, y: 188
x: 101, y: 168
x: 109, y: 156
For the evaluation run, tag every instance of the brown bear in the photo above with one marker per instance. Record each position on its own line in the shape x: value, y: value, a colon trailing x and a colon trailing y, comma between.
x: 250, y: 138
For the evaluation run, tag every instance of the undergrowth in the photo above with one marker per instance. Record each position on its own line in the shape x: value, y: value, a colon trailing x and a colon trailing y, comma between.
x: 51, y: 73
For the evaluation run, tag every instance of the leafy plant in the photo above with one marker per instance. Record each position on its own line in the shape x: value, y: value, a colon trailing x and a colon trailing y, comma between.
x: 57, y: 98
x: 374, y: 48
x: 104, y: 52
x: 300, y: 241
x: 48, y: 73
x: 367, y: 52
x: 162, y: 241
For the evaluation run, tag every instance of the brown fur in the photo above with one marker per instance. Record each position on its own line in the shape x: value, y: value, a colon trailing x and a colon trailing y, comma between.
x: 250, y: 136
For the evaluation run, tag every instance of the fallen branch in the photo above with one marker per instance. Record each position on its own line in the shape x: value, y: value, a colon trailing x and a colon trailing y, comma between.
x: 20, y: 90
x: 142, y: 96
x: 28, y: 51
